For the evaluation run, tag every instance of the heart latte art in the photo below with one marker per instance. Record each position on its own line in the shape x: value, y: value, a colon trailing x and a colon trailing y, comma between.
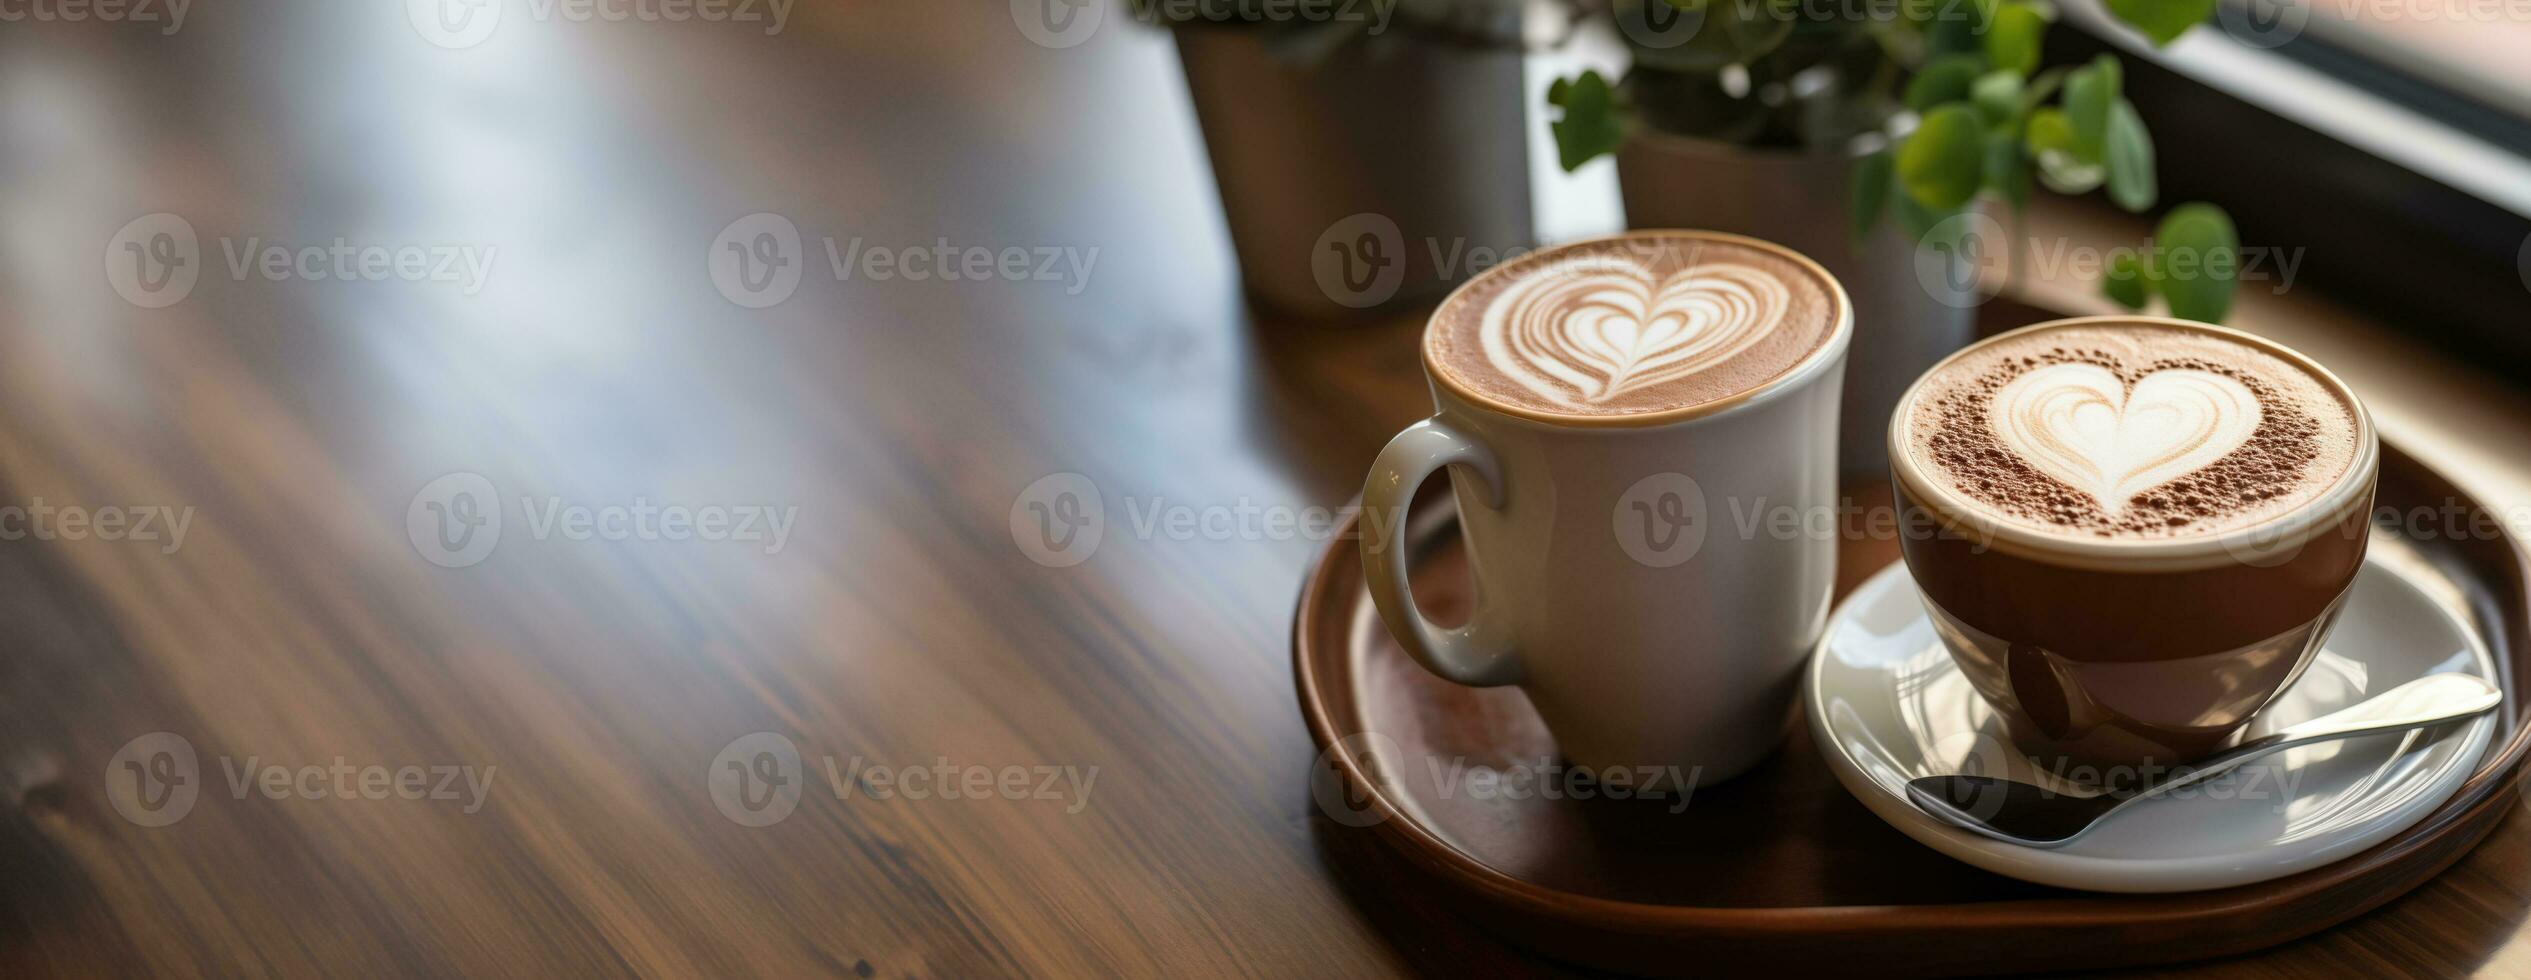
x: 2082, y: 425
x: 1592, y: 328
x: 2143, y: 429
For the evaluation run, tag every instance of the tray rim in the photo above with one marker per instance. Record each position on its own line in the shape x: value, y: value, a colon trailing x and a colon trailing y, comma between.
x: 2474, y: 809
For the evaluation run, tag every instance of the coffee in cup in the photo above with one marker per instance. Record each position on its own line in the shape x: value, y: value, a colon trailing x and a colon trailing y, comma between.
x: 1601, y: 405
x: 2147, y: 527
x: 1632, y: 327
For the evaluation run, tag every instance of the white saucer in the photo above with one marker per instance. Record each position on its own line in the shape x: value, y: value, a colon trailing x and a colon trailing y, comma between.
x: 1886, y: 705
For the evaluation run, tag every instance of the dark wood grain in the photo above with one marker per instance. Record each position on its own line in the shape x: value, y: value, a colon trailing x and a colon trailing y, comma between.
x: 902, y: 622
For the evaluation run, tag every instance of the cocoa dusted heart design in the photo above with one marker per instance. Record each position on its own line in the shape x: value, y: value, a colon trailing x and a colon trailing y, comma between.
x: 1592, y: 328
x: 2082, y: 425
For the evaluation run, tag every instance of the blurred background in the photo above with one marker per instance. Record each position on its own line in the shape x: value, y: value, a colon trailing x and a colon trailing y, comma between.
x: 560, y: 398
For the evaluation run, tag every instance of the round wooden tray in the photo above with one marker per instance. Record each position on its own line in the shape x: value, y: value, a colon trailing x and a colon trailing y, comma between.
x: 1781, y: 869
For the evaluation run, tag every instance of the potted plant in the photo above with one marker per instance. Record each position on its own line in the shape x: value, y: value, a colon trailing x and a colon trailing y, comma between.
x: 1881, y: 137
x: 1368, y: 152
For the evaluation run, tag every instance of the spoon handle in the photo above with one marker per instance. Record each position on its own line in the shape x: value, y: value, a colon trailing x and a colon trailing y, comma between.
x: 2429, y: 700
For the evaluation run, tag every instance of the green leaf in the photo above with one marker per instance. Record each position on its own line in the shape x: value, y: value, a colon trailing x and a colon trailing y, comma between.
x: 1917, y: 220
x: 2041, y: 86
x: 1872, y: 179
x: 1942, y: 160
x: 2050, y: 138
x: 2047, y: 132
x: 1590, y: 124
x: 2089, y: 91
x: 2124, y: 281
x: 2162, y: 21
x: 2200, y: 260
x: 2007, y: 169
x: 1945, y: 79
x: 2013, y: 42
x: 1997, y: 96
x: 1956, y: 26
x: 2128, y: 154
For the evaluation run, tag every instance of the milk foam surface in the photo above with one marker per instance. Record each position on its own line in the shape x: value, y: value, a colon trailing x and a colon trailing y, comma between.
x: 1632, y: 325
x: 2131, y: 430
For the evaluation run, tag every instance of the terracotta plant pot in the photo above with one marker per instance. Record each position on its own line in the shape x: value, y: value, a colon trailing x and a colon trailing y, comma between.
x: 1378, y: 177
x: 1910, y: 308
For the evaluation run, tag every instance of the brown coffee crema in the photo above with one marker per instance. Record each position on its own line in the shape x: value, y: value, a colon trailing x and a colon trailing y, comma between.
x: 2130, y: 430
x: 1638, y: 324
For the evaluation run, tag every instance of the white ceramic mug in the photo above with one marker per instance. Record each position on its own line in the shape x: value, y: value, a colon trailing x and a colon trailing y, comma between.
x: 1635, y: 574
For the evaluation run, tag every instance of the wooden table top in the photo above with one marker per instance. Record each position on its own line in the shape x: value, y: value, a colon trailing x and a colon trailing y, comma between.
x: 423, y: 743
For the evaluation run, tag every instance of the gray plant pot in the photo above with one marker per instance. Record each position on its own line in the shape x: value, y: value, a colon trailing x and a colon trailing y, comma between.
x: 1375, y: 178
x: 1904, y: 318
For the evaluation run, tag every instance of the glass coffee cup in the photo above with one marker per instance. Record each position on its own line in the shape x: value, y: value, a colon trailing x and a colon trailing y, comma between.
x: 2143, y: 528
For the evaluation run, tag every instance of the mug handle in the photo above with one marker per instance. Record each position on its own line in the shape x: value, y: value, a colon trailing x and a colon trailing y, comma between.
x: 1478, y: 654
